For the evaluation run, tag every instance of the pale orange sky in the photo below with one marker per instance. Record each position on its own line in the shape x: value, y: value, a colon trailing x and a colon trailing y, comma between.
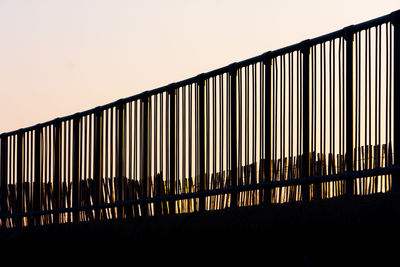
x: 61, y: 57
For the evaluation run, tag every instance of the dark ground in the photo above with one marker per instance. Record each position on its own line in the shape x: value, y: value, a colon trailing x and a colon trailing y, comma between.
x: 356, y: 231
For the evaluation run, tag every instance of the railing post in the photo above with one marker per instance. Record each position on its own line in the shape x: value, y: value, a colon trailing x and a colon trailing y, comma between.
x: 120, y: 155
x: 98, y: 158
x: 305, y: 187
x: 38, y: 177
x: 4, y: 185
x: 348, y: 36
x: 267, y: 125
x: 396, y: 92
x: 20, y: 201
x: 202, y: 125
x: 172, y: 145
x: 57, y: 170
x: 145, y: 145
x: 75, y: 167
x: 233, y: 119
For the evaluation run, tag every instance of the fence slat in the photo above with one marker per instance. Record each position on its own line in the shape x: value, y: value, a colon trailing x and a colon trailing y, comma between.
x: 144, y: 152
x: 20, y: 202
x: 120, y: 156
x: 3, y: 181
x: 98, y: 159
x: 233, y: 119
x: 57, y: 170
x: 268, y: 130
x: 76, y: 187
x: 349, y: 37
x: 306, y: 119
x: 172, y: 145
x: 396, y: 92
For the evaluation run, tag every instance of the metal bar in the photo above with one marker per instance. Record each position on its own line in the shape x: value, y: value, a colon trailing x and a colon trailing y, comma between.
x: 76, y: 167
x: 214, y: 83
x: 3, y: 181
x: 306, y: 120
x: 278, y: 52
x: 20, y: 207
x: 349, y: 36
x: 120, y: 155
x: 233, y: 128
x: 201, y: 134
x: 254, y: 126
x: 97, y: 161
x: 207, y: 133
x: 172, y: 145
x: 180, y: 156
x: 396, y: 95
x: 274, y: 184
x: 144, y: 152
x: 57, y: 169
x: 267, y: 125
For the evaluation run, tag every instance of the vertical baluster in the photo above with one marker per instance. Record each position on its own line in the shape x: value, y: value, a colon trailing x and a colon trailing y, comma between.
x: 306, y: 120
x: 144, y: 152
x: 396, y: 93
x: 76, y: 167
x: 233, y: 129
x: 349, y: 108
x: 19, y: 208
x: 97, y: 160
x: 120, y: 156
x: 268, y: 130
x: 201, y: 135
x: 3, y: 181
x: 57, y: 169
x: 172, y: 145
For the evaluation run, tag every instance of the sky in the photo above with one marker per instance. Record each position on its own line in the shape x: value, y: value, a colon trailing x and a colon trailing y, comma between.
x: 62, y: 57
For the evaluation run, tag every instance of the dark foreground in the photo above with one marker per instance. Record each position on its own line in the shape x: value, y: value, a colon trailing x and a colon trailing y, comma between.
x: 356, y: 231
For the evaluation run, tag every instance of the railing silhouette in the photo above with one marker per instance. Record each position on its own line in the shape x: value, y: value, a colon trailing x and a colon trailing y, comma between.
x: 235, y: 136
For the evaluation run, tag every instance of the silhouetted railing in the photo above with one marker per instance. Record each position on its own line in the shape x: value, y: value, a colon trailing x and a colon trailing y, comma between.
x: 314, y: 120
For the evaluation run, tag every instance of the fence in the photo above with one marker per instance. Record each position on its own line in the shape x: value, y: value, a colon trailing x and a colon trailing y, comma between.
x: 314, y: 120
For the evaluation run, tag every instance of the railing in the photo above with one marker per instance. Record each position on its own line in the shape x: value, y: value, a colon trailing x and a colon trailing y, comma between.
x: 235, y: 136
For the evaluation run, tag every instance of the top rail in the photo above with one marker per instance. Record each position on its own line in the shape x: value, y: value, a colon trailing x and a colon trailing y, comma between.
x: 275, y: 53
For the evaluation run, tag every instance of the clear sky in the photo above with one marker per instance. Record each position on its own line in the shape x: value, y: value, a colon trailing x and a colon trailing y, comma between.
x: 60, y: 57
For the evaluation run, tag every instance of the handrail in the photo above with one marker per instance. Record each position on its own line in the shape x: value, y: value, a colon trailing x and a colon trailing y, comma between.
x: 256, y: 98
x: 259, y: 58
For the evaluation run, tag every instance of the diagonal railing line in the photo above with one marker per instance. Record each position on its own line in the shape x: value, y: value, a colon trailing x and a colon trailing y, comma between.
x: 214, y: 192
x: 279, y: 127
x: 291, y: 48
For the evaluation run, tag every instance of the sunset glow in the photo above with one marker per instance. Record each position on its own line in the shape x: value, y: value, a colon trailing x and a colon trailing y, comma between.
x: 62, y: 57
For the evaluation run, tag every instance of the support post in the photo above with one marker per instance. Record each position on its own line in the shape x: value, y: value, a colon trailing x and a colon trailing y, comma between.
x: 4, y: 184
x: 38, y: 177
x: 75, y: 167
x: 233, y: 119
x: 57, y: 170
x: 268, y: 130
x: 98, y: 158
x: 145, y: 145
x: 396, y: 92
x: 202, y: 125
x: 348, y: 36
x: 305, y: 187
x: 20, y: 173
x: 120, y: 156
x: 172, y: 145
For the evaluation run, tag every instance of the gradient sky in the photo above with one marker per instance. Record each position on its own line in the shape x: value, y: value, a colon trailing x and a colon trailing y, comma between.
x: 60, y: 57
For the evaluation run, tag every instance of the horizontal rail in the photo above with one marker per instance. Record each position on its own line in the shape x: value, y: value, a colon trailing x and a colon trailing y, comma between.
x: 299, y: 123
x: 259, y: 58
x: 208, y: 193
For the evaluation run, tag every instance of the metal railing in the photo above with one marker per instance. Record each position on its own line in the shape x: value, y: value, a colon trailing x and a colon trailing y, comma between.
x: 313, y: 120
